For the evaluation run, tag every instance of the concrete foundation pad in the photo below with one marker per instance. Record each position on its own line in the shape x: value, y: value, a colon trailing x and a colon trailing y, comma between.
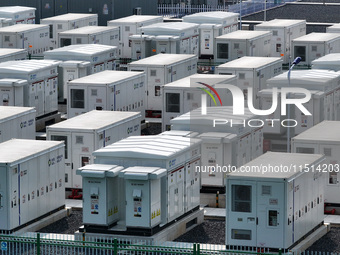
x: 310, y: 239
x: 168, y: 234
x: 210, y: 200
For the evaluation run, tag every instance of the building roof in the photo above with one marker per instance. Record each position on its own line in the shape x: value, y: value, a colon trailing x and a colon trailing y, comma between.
x: 281, y: 23
x: 80, y: 50
x: 106, y: 77
x: 87, y: 30
x: 11, y: 51
x: 162, y: 59
x: 17, y: 28
x: 148, y: 147
x: 70, y: 16
x: 317, y: 37
x: 290, y: 161
x: 243, y: 35
x: 169, y: 26
x: 26, y: 66
x: 247, y: 62
x: 12, y: 112
x: 326, y: 131
x: 94, y: 120
x: 15, y: 9
x: 210, y: 17
x: 135, y: 19
x: 19, y: 149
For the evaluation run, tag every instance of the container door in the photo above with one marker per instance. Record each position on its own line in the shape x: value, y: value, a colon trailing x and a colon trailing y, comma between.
x: 97, y: 98
x: 241, y: 213
x: 270, y: 204
x: 328, y: 107
x: 337, y: 104
x: 99, y: 67
x: 185, y: 46
x: 66, y: 138
x: 51, y: 94
x: 39, y: 97
x: 7, y: 97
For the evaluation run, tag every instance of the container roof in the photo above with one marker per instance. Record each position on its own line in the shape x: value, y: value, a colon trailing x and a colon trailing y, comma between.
x: 22, y: 28
x: 15, y: 9
x: 170, y: 26
x: 136, y: 18
x: 143, y: 173
x: 148, y: 147
x: 326, y: 131
x: 195, y: 117
x: 243, y: 34
x: 87, y: 30
x: 162, y: 59
x: 26, y: 66
x: 305, y: 77
x: 70, y: 16
x: 11, y: 51
x: 247, y: 62
x: 94, y: 120
x: 291, y: 162
x: 332, y: 58
x: 215, y: 16
x: 281, y: 23
x: 105, y: 77
x: 6, y: 82
x: 334, y: 26
x: 211, y: 79
x: 19, y: 149
x: 320, y: 37
x: 80, y: 50
x: 13, y: 111
x: 99, y: 170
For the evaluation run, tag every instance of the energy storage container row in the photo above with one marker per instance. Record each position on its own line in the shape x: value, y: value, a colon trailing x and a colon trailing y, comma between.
x: 162, y: 69
x: 33, y: 37
x: 323, y: 138
x: 88, y: 132
x: 273, y: 208
x: 18, y: 14
x: 79, y: 61
x: 32, y: 181
x: 228, y: 141
x: 185, y: 95
x: 252, y: 72
x: 128, y: 26
x: 283, y: 32
x: 323, y: 105
x: 88, y: 35
x: 37, y: 88
x: 17, y: 122
x: 67, y: 22
x: 159, y: 181
x: 107, y: 90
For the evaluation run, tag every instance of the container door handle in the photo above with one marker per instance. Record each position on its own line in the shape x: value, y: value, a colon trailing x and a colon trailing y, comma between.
x: 257, y: 221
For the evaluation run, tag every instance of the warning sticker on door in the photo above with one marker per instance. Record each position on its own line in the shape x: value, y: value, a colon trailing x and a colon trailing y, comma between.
x: 94, y: 206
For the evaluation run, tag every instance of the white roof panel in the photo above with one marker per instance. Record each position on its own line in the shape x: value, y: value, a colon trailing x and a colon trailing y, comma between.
x: 248, y: 62
x: 332, y: 58
x: 94, y: 120
x: 15, y: 9
x: 326, y: 131
x: 209, y: 17
x: 169, y: 26
x: 281, y: 23
x: 11, y: 51
x: 22, y: 28
x: 70, y: 17
x: 19, y: 149
x: 317, y: 37
x: 136, y: 19
x: 26, y: 66
x: 87, y: 30
x: 162, y: 59
x: 277, y: 159
x: 243, y: 35
x: 9, y: 112
x: 80, y: 50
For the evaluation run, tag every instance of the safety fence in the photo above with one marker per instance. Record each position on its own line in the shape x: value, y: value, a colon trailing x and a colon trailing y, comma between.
x: 243, y: 7
x: 46, y: 244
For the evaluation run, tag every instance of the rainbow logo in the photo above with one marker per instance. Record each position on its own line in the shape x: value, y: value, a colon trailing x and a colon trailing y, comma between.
x: 208, y: 92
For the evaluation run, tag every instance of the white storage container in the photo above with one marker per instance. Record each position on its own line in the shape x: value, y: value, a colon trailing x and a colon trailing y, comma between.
x: 228, y: 20
x: 242, y: 43
x: 81, y: 60
x: 128, y: 26
x: 42, y: 78
x: 18, y: 14
x: 142, y: 192
x: 32, y: 181
x: 315, y: 45
x: 140, y: 46
x: 33, y: 37
x: 167, y: 44
x: 16, y: 122
x: 5, y: 22
x: 12, y: 92
x: 283, y: 32
x: 8, y: 54
x: 274, y: 209
x: 68, y: 21
x: 252, y: 72
x: 229, y: 144
x: 179, y: 191
x: 185, y: 95
x: 88, y: 35
x: 329, y: 62
x: 187, y: 32
x: 324, y: 86
x: 107, y: 90
x: 333, y: 29
x: 162, y: 69
x: 323, y: 138
x: 88, y: 132
x: 103, y: 194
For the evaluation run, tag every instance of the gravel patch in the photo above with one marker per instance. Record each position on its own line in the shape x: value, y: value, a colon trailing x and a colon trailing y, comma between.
x: 210, y: 232
x: 328, y: 243
x: 67, y: 225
